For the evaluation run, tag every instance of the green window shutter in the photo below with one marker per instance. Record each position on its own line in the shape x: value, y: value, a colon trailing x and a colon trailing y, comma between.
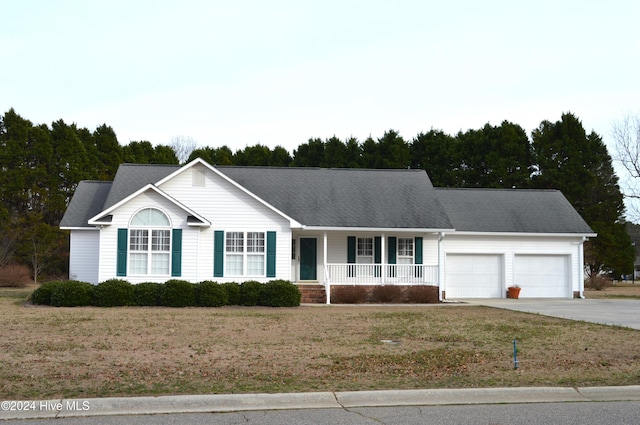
x: 218, y: 254
x: 271, y: 254
x: 377, y: 254
x: 391, y: 257
x: 351, y: 255
x: 176, y: 253
x: 351, y: 249
x: 121, y: 260
x: 377, y: 250
x: 418, y: 244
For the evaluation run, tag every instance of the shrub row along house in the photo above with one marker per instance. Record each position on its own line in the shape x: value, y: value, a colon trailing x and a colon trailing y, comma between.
x: 324, y: 229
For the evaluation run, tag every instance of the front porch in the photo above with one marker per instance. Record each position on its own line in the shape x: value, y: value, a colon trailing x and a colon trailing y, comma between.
x: 366, y: 262
x: 380, y: 274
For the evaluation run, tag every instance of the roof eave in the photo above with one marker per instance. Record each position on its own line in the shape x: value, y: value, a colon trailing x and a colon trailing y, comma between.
x: 96, y: 220
x: 378, y: 229
x: 527, y: 234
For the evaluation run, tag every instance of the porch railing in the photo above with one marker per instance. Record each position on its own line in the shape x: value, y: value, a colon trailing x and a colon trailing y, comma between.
x: 381, y: 274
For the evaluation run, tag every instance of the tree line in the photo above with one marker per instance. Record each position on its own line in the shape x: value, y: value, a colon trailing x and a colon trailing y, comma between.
x: 42, y: 165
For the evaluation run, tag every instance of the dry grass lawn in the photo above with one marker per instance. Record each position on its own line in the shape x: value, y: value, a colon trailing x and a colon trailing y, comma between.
x: 50, y: 352
x: 619, y: 290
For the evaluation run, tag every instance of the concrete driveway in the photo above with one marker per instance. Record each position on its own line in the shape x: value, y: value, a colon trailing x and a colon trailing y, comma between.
x: 607, y: 312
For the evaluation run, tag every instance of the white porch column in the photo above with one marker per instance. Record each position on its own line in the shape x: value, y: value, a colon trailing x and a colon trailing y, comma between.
x: 383, y: 259
x: 327, y: 283
x: 581, y: 269
x: 441, y: 285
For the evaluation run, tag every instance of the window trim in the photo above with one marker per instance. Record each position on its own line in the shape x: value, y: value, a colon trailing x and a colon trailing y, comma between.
x: 400, y: 256
x: 166, y: 241
x: 255, y: 248
x: 370, y: 245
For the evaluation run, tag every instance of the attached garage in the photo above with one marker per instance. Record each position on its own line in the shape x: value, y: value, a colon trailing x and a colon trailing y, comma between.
x: 542, y: 276
x: 474, y: 276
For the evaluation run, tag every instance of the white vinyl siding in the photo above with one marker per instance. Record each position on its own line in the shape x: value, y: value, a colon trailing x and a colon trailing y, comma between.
x: 84, y: 255
x: 229, y: 209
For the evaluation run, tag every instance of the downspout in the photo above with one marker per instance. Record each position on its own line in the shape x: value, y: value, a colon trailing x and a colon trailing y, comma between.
x: 440, y: 271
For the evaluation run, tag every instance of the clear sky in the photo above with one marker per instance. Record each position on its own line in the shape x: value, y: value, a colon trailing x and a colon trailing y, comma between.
x: 275, y: 72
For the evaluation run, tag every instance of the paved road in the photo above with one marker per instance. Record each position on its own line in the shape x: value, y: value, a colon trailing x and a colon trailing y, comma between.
x: 348, y: 401
x: 584, y: 413
x: 608, y: 312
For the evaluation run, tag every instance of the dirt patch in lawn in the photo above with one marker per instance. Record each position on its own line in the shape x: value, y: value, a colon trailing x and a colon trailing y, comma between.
x: 50, y: 352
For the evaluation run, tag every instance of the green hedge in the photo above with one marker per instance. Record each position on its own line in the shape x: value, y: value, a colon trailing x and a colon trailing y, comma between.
x: 280, y: 293
x: 210, y: 294
x: 42, y: 295
x: 233, y: 292
x: 172, y: 293
x: 178, y: 293
x: 72, y: 293
x: 147, y: 294
x: 250, y: 292
x: 113, y: 293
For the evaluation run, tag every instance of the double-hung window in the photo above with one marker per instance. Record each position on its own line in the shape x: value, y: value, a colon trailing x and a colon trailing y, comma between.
x: 150, y: 243
x: 405, y: 250
x: 365, y: 251
x: 255, y: 253
x: 405, y: 256
x: 245, y: 253
x: 364, y: 255
x: 235, y: 253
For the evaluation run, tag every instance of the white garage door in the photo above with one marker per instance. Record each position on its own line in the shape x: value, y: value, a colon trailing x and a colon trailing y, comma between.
x: 473, y: 276
x: 542, y: 276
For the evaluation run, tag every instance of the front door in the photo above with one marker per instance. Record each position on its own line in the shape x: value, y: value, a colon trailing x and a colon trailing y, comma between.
x: 308, y: 259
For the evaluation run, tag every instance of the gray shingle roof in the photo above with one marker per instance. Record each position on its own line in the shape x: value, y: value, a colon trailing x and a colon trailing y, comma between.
x: 133, y: 177
x: 511, y: 210
x: 88, y: 200
x: 358, y: 198
x: 346, y: 197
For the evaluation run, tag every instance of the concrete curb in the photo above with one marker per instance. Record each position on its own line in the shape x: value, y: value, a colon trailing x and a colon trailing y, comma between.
x: 50, y: 409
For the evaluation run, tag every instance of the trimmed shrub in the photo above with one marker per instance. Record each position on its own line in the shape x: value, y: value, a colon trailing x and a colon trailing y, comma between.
x: 423, y: 294
x: 233, y: 292
x: 387, y: 294
x: 42, y: 295
x: 72, y: 293
x: 147, y: 294
x: 113, y: 293
x: 210, y: 294
x: 280, y: 293
x: 349, y: 294
x: 250, y: 292
x: 14, y: 276
x: 178, y: 293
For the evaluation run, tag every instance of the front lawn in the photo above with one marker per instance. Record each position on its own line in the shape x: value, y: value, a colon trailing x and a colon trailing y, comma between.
x: 48, y: 352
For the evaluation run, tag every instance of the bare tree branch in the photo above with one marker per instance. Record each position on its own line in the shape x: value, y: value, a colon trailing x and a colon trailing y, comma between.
x: 183, y: 146
x: 626, y: 134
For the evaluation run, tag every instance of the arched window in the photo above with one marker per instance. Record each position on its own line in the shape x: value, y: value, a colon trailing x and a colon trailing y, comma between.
x: 149, y: 243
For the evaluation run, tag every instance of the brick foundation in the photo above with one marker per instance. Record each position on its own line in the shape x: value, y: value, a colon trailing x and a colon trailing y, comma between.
x: 312, y: 294
x: 361, y: 294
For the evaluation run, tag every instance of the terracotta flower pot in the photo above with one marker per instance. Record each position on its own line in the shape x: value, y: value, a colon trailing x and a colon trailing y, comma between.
x: 513, y: 292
